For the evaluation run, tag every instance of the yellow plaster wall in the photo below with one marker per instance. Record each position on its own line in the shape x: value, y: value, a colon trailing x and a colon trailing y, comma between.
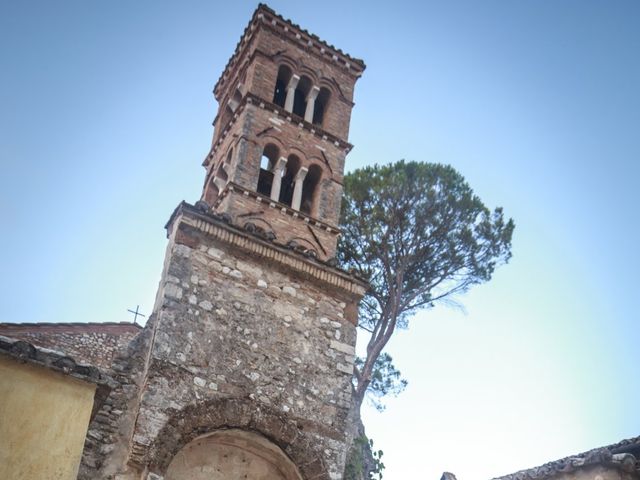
x: 44, y: 417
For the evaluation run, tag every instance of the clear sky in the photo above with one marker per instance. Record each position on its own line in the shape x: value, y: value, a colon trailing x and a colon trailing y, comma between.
x: 105, y: 117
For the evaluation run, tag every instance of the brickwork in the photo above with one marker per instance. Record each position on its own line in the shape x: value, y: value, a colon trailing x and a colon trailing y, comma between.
x: 306, y: 234
x: 254, y: 117
x: 270, y: 40
x: 92, y: 343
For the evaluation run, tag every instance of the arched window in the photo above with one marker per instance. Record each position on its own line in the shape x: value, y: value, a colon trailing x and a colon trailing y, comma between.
x: 230, y: 106
x: 300, y: 97
x: 288, y: 180
x: 322, y: 101
x: 211, y: 191
x: 235, y: 100
x: 280, y: 92
x: 267, y: 162
x: 310, y: 189
x: 221, y: 174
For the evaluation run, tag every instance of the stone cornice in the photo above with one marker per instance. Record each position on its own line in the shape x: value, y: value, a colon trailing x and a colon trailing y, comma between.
x: 105, y: 327
x: 295, y: 214
x: 225, y: 232
x: 252, y: 99
x: 26, y: 352
x: 264, y: 15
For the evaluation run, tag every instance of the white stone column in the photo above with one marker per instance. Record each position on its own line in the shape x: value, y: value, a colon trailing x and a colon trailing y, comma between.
x: 220, y: 183
x: 297, y: 189
x: 291, y: 92
x: 311, y: 104
x: 277, y: 179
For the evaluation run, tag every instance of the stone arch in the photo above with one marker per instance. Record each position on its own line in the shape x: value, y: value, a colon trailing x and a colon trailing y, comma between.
x: 329, y: 84
x: 231, y: 453
x: 308, y: 72
x: 333, y: 87
x: 195, y: 420
x: 284, y: 59
x: 267, y: 138
x: 298, y: 152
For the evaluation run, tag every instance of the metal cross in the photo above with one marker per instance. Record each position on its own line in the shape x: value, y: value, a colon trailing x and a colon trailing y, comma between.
x: 136, y: 314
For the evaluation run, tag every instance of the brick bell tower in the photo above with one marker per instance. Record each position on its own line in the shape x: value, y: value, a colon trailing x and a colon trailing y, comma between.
x: 277, y: 157
x: 244, y: 368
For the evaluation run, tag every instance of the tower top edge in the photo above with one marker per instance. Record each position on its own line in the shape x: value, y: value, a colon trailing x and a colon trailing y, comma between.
x: 265, y: 15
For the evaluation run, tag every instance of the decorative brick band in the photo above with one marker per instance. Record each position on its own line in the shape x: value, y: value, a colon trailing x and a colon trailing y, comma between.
x: 25, y: 352
x: 292, y: 260
x: 263, y: 199
x: 252, y: 99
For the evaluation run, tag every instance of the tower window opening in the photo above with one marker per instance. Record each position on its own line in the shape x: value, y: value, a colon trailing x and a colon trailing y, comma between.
x: 211, y: 191
x: 234, y: 103
x: 222, y: 174
x: 300, y: 96
x: 267, y: 164
x: 288, y: 180
x: 280, y: 92
x: 321, y: 106
x: 223, y: 119
x: 310, y: 189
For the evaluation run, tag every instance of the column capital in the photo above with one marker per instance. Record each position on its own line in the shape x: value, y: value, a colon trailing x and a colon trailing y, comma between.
x: 293, y: 81
x: 302, y: 172
x: 313, y: 93
x: 280, y: 164
x: 291, y: 92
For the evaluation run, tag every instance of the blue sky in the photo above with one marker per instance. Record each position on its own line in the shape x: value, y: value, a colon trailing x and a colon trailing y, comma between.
x: 105, y: 117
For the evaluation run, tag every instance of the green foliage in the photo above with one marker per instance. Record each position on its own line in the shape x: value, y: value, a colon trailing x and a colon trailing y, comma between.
x: 418, y: 233
x: 385, y: 380
x: 356, y: 469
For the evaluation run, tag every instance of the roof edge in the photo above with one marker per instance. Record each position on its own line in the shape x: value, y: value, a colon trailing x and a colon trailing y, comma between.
x: 257, y: 16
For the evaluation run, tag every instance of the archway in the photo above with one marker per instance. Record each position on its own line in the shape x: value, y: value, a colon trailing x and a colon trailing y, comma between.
x: 231, y: 454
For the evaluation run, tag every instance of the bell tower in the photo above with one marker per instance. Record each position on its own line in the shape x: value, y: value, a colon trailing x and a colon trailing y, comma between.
x: 244, y: 368
x: 280, y: 142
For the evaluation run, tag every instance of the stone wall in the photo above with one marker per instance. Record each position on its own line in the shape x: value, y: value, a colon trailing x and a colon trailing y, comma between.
x: 92, y: 343
x: 106, y: 447
x: 243, y: 336
x: 232, y: 325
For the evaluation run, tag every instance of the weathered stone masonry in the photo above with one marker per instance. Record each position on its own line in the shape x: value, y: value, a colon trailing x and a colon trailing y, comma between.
x: 241, y: 338
x: 239, y: 324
